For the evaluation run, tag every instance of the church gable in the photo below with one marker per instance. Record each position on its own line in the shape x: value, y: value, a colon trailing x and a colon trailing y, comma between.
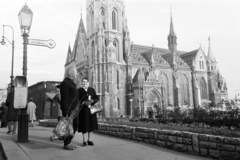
x: 189, y: 57
x: 200, y: 61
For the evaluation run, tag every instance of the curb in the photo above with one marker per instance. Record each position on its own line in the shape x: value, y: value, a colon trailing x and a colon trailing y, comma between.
x: 2, y: 153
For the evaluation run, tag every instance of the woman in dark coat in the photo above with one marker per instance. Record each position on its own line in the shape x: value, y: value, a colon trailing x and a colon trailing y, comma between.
x: 87, y: 121
x: 12, y: 113
x: 4, y: 114
x: 69, y: 95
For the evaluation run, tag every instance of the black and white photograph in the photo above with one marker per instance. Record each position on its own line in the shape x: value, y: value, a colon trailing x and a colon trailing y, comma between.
x: 119, y: 79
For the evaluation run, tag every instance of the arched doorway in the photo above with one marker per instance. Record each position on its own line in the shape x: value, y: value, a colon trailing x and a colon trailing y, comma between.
x: 153, y: 104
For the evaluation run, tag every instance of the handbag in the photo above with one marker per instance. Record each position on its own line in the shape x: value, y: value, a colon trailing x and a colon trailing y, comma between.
x: 96, y: 108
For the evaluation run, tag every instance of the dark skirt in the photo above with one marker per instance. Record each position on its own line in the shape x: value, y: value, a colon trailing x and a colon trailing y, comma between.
x: 87, y: 121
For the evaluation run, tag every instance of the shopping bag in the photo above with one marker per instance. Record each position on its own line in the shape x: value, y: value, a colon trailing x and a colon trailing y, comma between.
x: 64, y: 128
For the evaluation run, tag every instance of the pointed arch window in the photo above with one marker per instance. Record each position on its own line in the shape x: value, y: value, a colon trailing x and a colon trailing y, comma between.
x: 165, y: 89
x: 92, y: 80
x: 93, y: 52
x: 118, y: 104
x: 117, y: 79
x: 92, y: 22
x: 203, y: 89
x: 103, y: 15
x: 116, y: 45
x: 105, y: 42
x: 114, y: 20
x: 184, y: 90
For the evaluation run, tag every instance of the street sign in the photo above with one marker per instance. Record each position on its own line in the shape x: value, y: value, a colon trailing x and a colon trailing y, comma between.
x: 46, y: 43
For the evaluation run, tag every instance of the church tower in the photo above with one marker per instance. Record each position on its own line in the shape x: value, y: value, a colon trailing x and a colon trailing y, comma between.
x: 107, y: 42
x: 214, y: 96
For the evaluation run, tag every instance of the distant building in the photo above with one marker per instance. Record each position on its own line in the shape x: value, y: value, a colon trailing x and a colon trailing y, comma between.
x: 130, y: 79
x: 237, y: 94
x: 43, y: 94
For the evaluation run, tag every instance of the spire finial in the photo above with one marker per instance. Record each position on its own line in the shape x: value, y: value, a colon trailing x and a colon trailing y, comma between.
x: 171, y: 11
x: 81, y: 11
x: 209, y: 38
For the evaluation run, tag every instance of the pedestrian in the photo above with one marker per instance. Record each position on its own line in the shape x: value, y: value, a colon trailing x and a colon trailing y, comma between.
x: 12, y: 113
x: 3, y: 115
x: 31, y: 111
x: 57, y: 101
x: 87, y: 121
x: 69, y: 98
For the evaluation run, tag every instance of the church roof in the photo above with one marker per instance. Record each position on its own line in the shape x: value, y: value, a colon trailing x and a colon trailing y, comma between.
x: 146, y: 54
x: 191, y: 53
x: 80, y: 36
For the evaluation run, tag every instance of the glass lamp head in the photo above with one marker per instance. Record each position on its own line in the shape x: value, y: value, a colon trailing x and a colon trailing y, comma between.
x: 25, y: 18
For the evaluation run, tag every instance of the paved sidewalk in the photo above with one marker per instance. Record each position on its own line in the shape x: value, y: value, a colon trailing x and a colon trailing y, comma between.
x: 105, y: 148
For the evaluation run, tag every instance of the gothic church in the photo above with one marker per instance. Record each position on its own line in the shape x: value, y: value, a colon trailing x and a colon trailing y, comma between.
x: 131, y: 79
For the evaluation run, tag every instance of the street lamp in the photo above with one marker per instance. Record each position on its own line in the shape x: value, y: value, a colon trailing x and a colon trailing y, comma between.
x: 12, y: 43
x: 25, y: 20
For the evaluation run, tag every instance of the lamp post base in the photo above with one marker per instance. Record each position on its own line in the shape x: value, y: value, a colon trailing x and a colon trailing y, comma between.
x: 22, y: 128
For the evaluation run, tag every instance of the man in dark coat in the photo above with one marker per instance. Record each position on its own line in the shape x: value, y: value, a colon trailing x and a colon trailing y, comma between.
x: 69, y: 95
x: 87, y: 121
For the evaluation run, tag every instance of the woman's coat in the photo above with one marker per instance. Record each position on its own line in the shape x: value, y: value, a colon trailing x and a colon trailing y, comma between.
x: 31, y: 110
x: 87, y: 121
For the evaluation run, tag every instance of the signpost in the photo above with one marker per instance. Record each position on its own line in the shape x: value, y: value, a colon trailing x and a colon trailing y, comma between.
x: 45, y: 43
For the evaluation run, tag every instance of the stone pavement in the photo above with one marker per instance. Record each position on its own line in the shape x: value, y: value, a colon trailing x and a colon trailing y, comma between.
x: 105, y: 148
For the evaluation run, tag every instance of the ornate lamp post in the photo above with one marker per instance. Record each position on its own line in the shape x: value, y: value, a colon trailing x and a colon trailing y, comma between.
x: 25, y: 20
x: 12, y: 43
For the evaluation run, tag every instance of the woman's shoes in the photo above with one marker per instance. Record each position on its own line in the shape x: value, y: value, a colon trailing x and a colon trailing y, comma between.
x: 90, y: 143
x: 84, y: 144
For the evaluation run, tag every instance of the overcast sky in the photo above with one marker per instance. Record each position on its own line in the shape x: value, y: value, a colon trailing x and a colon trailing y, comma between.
x: 148, y: 21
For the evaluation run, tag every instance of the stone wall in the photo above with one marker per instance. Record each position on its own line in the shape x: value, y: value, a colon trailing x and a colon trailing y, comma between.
x: 218, y: 147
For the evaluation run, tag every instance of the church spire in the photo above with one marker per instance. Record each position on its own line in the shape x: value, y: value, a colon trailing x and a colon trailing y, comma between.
x: 172, y: 38
x: 69, y: 57
x: 172, y: 33
x: 211, y: 57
